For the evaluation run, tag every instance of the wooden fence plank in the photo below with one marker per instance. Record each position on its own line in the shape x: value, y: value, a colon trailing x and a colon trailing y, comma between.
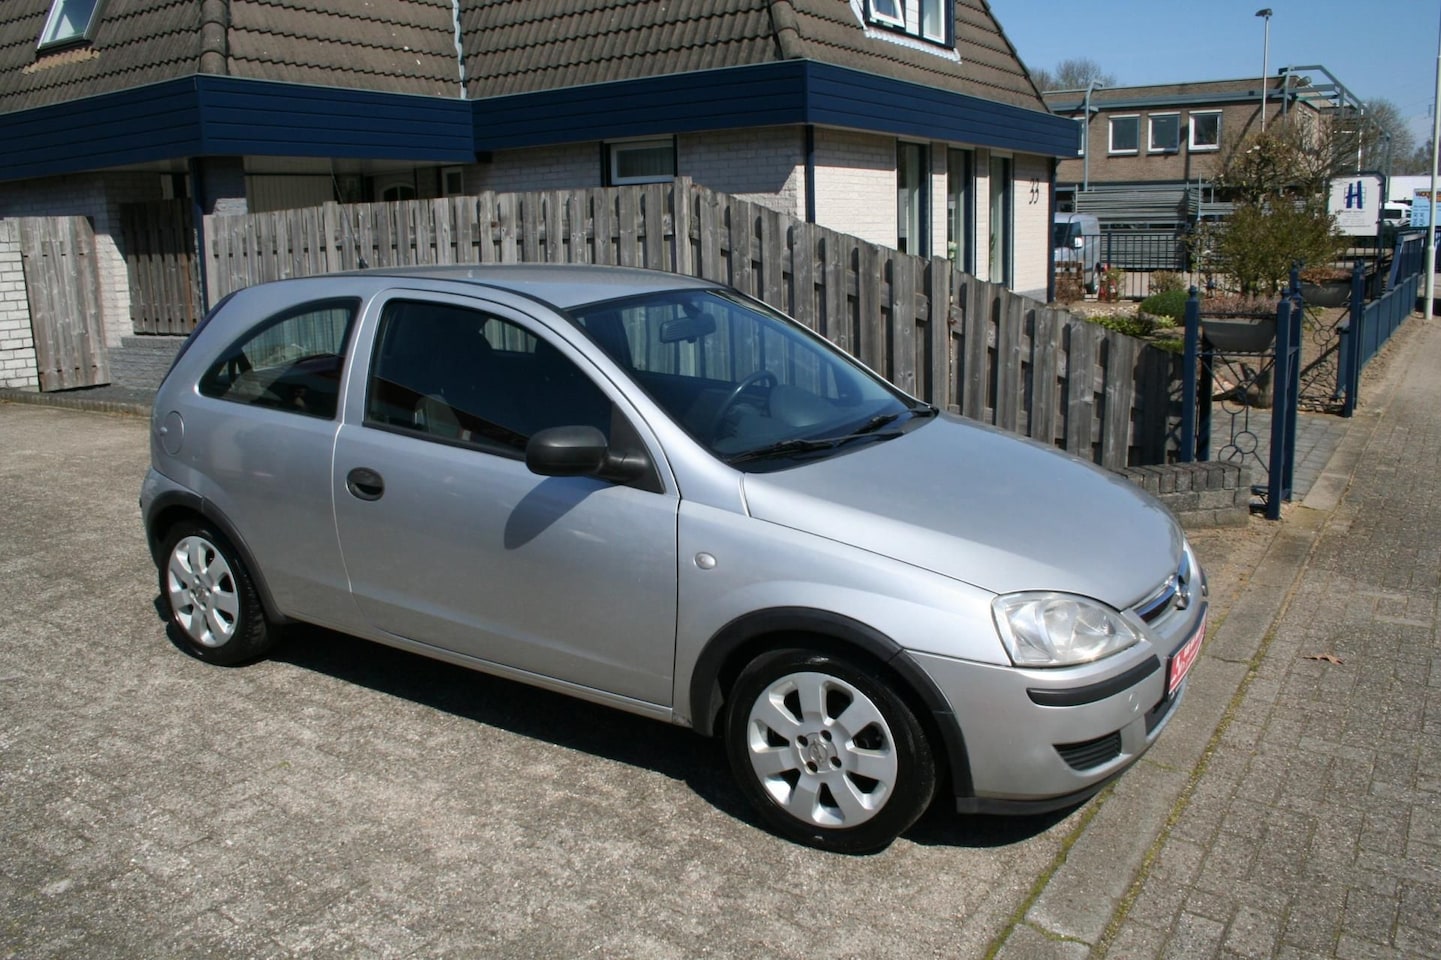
x: 1119, y: 394
x: 1009, y: 384
x: 710, y: 226
x: 603, y: 225
x: 938, y: 334
x: 1080, y: 387
x: 652, y: 209
x: 903, y: 323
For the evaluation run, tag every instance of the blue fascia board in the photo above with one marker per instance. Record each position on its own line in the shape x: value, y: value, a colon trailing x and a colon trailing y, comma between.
x: 241, y: 116
x: 227, y: 116
x: 147, y: 123
x: 761, y: 95
x: 790, y: 92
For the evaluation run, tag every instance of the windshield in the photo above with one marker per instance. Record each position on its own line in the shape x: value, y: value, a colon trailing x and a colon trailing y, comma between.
x: 1064, y: 233
x: 753, y: 387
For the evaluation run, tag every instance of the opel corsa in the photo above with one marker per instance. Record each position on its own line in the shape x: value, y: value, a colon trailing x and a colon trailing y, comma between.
x: 655, y: 493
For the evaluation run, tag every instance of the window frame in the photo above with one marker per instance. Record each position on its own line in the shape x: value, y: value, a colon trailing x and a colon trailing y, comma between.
x: 1111, y: 134
x: 895, y: 21
x: 1191, y: 143
x: 611, y: 160
x: 909, y: 19
x: 1175, y: 146
x: 921, y: 192
x: 47, y: 41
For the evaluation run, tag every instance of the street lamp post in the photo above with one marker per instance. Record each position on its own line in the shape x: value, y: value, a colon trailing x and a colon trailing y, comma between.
x: 1265, y: 13
x: 1435, y: 159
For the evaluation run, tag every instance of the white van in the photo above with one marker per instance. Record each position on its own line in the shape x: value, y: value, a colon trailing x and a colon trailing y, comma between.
x: 1076, y: 238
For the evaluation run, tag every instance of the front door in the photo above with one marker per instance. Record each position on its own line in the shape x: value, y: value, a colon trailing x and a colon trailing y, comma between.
x: 450, y: 541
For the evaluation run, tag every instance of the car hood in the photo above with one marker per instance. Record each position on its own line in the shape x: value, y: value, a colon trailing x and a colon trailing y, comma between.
x: 972, y: 503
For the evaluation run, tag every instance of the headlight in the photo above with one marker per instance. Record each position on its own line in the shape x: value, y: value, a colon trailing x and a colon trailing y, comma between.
x: 1058, y: 629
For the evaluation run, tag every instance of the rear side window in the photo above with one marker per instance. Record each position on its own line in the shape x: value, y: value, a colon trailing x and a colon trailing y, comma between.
x: 291, y: 361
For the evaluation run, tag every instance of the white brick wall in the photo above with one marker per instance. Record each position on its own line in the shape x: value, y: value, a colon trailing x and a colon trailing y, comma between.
x: 539, y: 168
x: 1032, y: 224
x: 765, y: 165
x: 17, y: 345
x: 856, y: 185
x: 97, y: 196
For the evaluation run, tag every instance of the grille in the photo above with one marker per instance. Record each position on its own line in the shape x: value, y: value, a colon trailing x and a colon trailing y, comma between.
x: 1174, y: 593
x: 1091, y: 753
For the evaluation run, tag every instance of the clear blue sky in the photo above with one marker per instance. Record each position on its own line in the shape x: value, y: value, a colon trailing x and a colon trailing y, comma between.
x: 1376, y: 48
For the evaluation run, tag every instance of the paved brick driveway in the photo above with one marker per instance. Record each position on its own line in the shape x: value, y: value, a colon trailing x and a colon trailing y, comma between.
x: 348, y: 800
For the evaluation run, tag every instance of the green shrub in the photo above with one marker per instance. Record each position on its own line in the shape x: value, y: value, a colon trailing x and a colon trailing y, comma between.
x: 1164, y: 281
x: 1171, y: 304
x: 1130, y: 325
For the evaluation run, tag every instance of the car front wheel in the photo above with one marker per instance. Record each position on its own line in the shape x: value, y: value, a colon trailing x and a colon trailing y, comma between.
x: 210, y: 598
x: 829, y: 755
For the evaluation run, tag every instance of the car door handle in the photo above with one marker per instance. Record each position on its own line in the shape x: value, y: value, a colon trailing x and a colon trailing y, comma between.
x: 365, y: 484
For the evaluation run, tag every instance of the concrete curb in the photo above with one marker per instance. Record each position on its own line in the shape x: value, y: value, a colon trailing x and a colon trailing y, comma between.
x: 120, y: 407
x: 1078, y: 908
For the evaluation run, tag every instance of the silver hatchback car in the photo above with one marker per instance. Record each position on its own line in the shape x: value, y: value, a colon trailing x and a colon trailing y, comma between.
x: 655, y: 493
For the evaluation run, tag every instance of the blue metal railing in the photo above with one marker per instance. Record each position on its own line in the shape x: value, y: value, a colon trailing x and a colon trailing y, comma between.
x: 1198, y: 364
x: 1372, y: 323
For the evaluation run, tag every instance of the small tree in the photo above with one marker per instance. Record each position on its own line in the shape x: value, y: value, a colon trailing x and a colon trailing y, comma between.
x: 1279, y: 181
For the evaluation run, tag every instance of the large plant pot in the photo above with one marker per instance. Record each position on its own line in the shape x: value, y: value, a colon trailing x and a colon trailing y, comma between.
x: 1327, y: 293
x: 1240, y: 334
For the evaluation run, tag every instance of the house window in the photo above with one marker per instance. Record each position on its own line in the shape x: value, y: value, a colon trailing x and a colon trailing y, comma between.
x: 70, y: 21
x: 1125, y: 134
x: 1165, y: 132
x: 960, y: 210
x: 1206, y: 130
x: 888, y: 12
x: 452, y: 181
x: 927, y: 19
x: 640, y: 161
x: 1081, y: 130
x: 912, y: 199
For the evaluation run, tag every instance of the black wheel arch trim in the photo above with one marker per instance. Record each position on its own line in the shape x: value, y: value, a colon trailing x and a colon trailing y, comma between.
x: 195, y: 504
x: 707, y: 698
x: 1079, y: 696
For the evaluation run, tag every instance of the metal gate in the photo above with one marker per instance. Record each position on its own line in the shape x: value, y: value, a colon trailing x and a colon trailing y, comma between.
x: 63, y: 289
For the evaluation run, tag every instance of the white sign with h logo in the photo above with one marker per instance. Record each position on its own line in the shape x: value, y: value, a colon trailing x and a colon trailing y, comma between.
x: 1356, y: 203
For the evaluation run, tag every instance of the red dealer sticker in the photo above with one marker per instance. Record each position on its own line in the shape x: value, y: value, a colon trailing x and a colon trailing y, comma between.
x: 1182, y: 659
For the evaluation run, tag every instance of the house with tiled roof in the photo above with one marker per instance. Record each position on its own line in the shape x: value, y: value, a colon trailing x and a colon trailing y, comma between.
x: 911, y: 123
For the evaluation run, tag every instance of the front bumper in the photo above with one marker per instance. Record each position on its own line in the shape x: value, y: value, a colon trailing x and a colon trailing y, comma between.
x: 1038, y: 740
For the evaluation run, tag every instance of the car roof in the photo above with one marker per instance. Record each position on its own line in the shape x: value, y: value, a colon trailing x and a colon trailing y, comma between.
x: 559, y: 285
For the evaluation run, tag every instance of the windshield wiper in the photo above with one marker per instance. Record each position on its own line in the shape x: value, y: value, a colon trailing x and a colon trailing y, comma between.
x: 798, y: 445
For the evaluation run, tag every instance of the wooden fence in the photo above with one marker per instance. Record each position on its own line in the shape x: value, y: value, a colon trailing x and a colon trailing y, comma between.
x: 158, y: 240
x: 62, y: 286
x: 939, y: 334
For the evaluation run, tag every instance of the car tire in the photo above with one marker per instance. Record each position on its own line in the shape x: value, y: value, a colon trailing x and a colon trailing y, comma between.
x: 209, y: 598
x: 1095, y: 284
x: 828, y: 754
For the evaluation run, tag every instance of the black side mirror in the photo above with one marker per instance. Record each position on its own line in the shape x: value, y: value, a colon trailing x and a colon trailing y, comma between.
x: 567, y: 452
x: 580, y: 452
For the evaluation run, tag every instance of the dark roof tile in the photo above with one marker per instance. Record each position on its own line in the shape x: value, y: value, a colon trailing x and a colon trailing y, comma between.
x: 136, y: 42
x: 519, y: 46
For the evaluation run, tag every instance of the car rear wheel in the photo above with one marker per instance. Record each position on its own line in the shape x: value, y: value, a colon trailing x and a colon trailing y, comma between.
x: 829, y: 755
x: 210, y: 599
